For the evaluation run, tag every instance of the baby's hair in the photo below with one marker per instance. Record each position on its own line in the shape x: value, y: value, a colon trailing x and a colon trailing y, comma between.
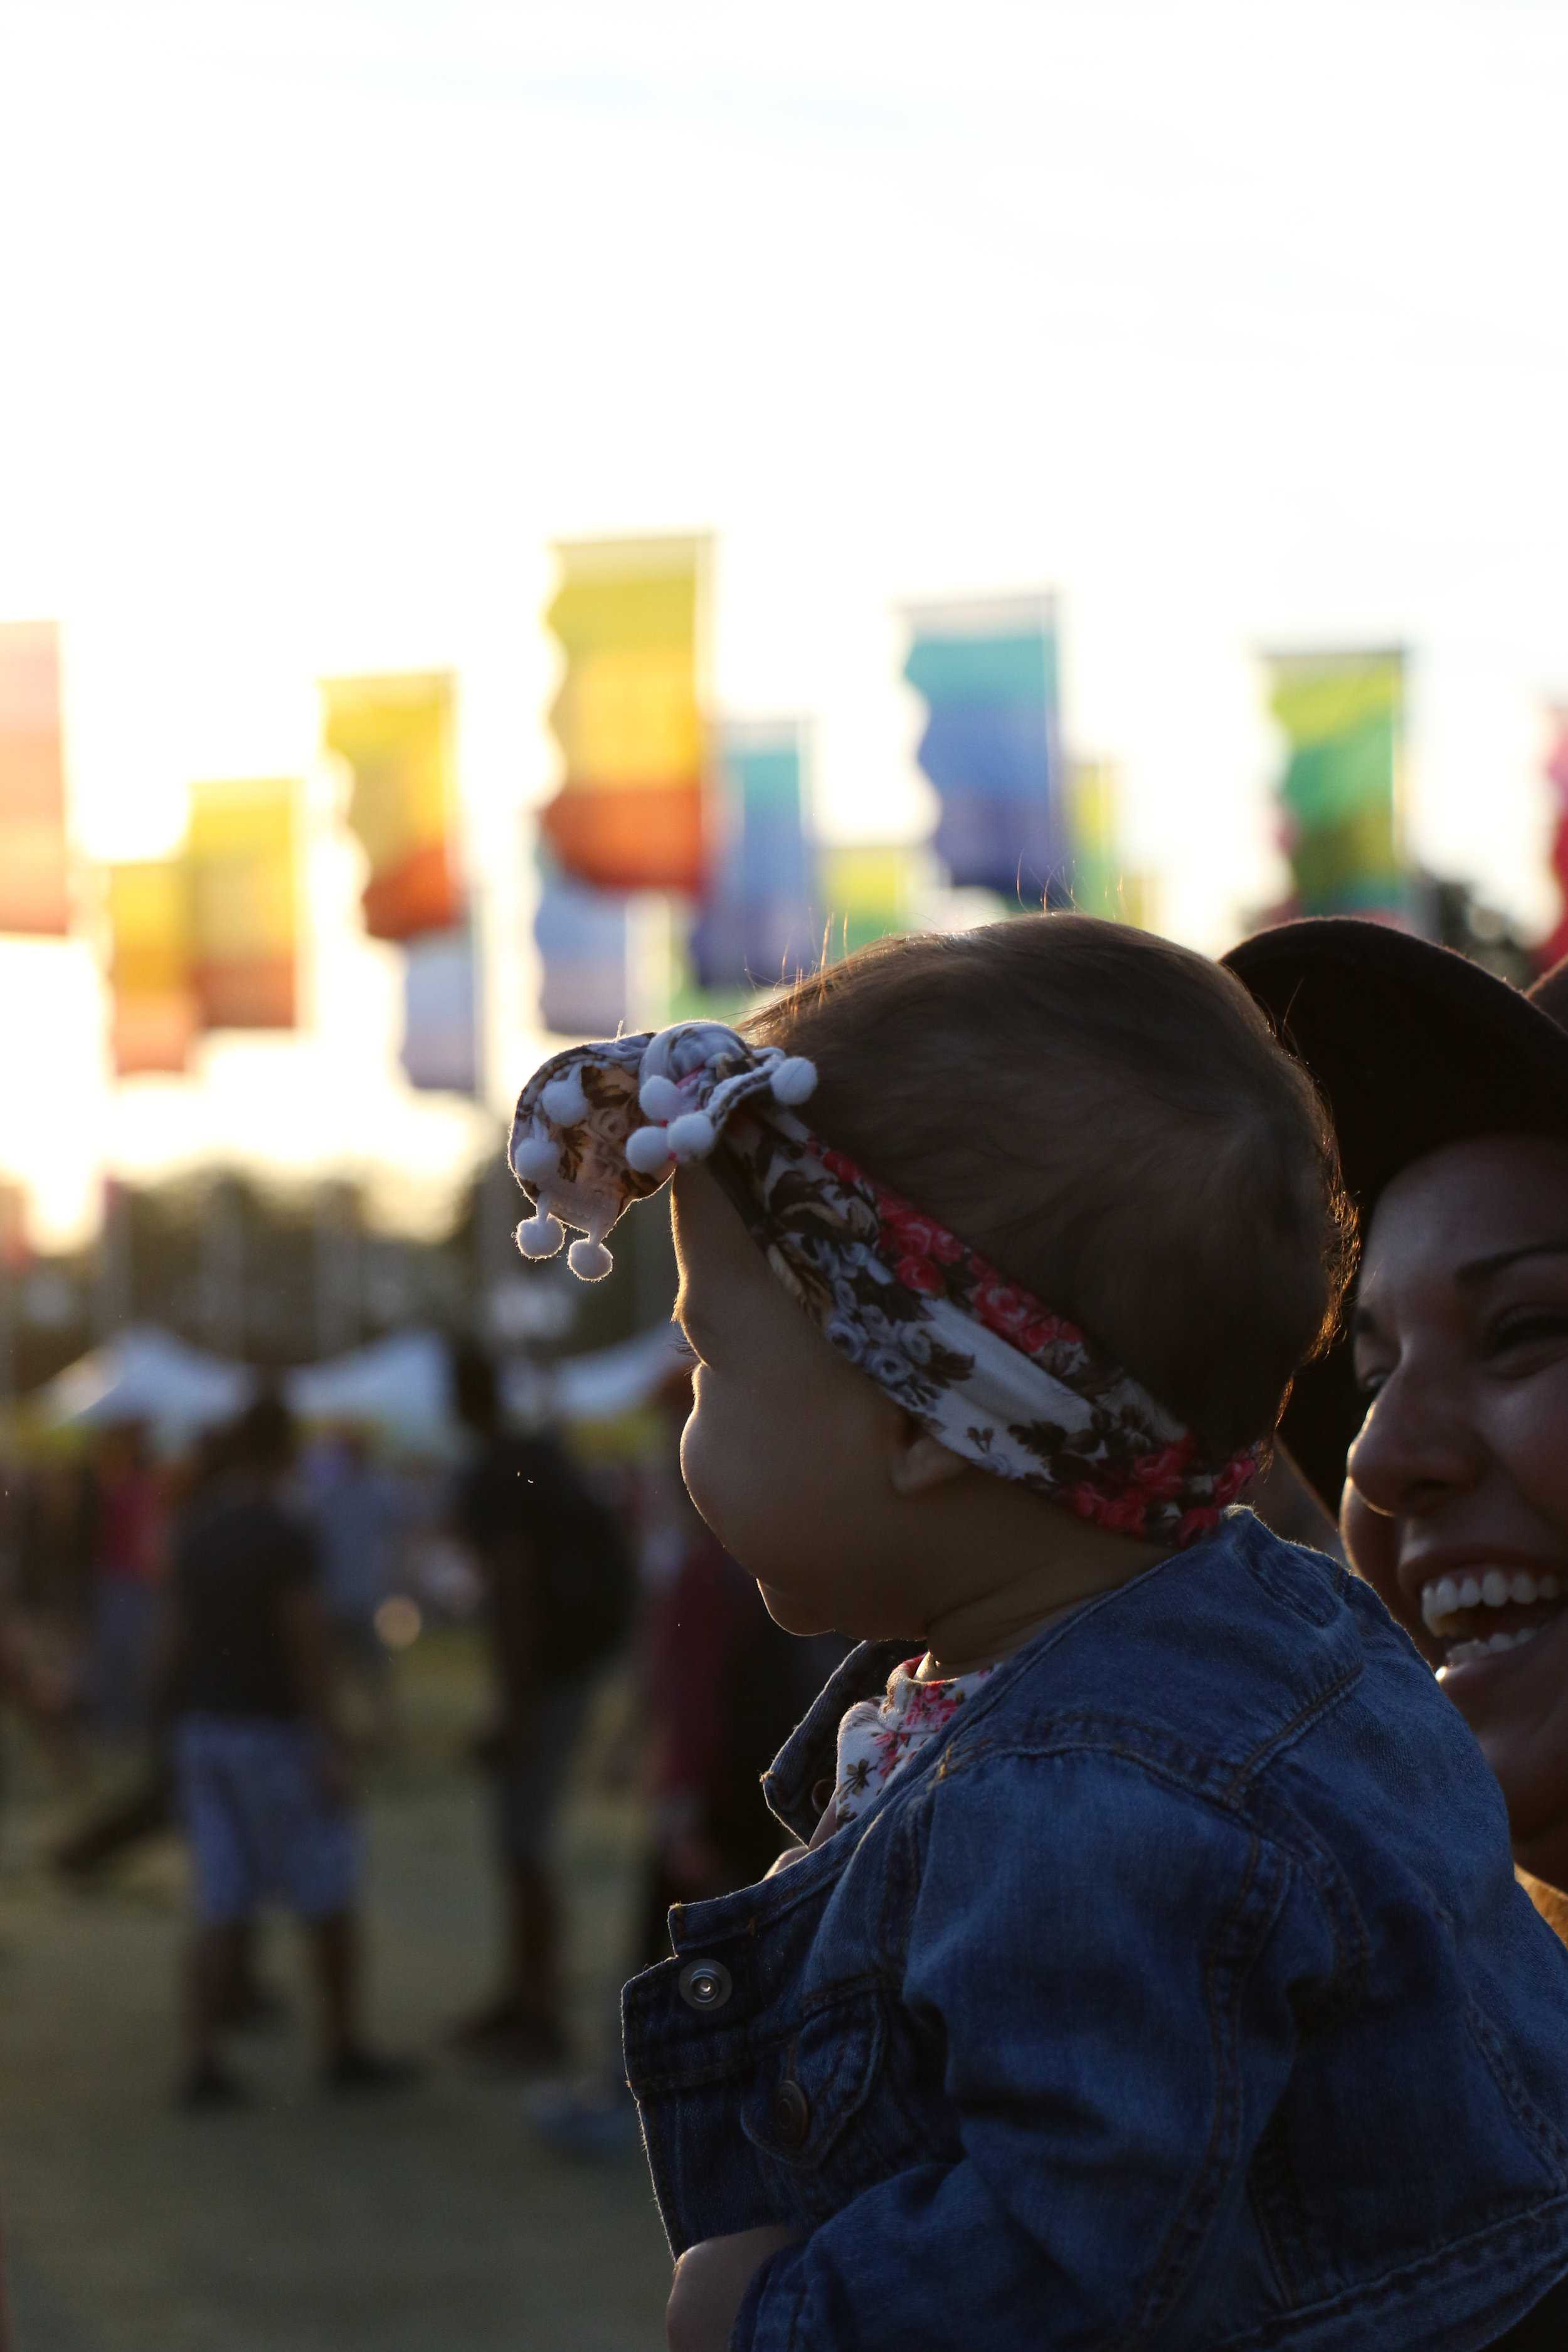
x: 1107, y: 1117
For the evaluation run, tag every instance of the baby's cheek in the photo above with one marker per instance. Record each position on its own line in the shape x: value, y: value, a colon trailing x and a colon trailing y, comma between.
x: 694, y: 1454
x: 744, y: 1477
x: 715, y: 1460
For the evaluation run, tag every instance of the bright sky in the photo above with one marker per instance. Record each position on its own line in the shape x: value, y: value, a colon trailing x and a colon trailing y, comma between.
x: 1236, y: 323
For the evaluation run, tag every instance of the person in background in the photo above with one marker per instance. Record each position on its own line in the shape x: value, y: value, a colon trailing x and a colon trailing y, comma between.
x: 55, y: 1528
x: 355, y: 1508
x: 259, y: 1769
x: 36, y: 1697
x: 559, y: 1596
x: 128, y: 1562
x: 143, y: 1809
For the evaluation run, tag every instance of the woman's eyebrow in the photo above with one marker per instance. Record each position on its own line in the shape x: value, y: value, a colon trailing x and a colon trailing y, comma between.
x: 1481, y: 1269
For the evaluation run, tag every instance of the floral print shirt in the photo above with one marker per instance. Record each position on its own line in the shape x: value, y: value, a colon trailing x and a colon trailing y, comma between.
x: 876, y: 1736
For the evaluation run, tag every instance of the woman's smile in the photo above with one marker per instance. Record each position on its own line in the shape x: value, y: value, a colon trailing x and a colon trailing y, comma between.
x: 1479, y: 1607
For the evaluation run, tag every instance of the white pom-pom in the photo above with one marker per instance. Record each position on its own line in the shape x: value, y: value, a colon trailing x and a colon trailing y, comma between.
x: 794, y: 1079
x: 540, y: 1237
x: 534, y: 1158
x: 691, y: 1136
x: 563, y: 1099
x: 648, y: 1150
x: 661, y: 1099
x: 589, y: 1260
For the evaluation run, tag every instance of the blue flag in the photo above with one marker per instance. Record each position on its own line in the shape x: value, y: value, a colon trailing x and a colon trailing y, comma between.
x: 440, y: 1012
x: 991, y: 746
x: 758, y: 924
x: 583, y: 937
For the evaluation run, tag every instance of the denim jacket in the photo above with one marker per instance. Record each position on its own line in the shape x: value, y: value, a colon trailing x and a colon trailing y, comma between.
x: 1178, y: 1994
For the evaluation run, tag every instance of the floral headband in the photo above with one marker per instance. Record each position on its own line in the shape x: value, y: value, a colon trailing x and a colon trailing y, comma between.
x: 985, y: 1368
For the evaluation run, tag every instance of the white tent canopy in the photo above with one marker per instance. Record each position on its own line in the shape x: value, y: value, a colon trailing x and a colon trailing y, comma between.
x: 145, y: 1374
x: 400, y: 1385
x: 403, y: 1385
x: 612, y: 1381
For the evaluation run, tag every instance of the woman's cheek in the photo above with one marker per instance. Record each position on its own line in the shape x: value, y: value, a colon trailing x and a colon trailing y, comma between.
x: 1370, y: 1542
x: 1530, y: 1438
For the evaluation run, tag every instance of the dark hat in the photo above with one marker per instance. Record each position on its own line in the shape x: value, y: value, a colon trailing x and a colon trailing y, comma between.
x: 1412, y: 1047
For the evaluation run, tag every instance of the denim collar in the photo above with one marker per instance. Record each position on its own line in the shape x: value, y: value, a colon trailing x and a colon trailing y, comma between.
x: 809, y: 1755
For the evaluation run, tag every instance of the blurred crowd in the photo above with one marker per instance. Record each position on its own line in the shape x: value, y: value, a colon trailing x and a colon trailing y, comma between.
x: 207, y: 1643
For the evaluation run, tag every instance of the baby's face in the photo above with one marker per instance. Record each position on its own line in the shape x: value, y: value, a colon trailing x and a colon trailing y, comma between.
x: 785, y: 1451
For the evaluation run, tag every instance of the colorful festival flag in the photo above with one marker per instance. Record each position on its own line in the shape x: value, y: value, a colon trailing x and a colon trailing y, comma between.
x: 870, y: 891
x: 153, y: 1004
x: 1343, y: 714
x: 397, y: 735
x: 584, y: 938
x: 243, y: 853
x: 630, y: 814
x: 992, y: 747
x: 35, y: 866
x: 759, y: 923
x: 441, y: 1009
x: 1102, y: 881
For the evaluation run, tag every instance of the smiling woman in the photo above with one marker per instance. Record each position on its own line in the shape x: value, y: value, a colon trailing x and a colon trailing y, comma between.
x: 1449, y: 1391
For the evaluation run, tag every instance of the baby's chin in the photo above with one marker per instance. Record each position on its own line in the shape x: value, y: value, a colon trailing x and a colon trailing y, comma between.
x: 794, y: 1613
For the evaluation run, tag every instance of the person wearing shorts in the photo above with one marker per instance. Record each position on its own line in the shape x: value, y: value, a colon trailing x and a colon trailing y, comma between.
x: 260, y: 1773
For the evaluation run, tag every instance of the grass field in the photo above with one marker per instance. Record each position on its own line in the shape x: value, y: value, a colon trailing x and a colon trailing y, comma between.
x: 433, y: 2221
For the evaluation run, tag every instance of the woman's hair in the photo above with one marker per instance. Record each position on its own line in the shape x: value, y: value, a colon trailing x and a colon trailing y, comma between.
x: 1107, y: 1117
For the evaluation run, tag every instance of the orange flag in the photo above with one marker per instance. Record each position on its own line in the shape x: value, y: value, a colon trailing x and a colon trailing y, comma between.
x: 630, y: 814
x: 243, y: 857
x: 35, y: 875
x: 151, y: 994
x: 397, y: 734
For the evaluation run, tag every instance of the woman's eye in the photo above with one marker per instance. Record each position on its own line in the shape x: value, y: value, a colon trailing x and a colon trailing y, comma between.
x: 1526, y: 1330
x: 1369, y: 1379
x: 682, y: 1348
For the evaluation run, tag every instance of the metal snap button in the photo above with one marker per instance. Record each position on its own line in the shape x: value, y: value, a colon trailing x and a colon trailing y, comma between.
x: 705, y: 1984
x: 791, y: 2113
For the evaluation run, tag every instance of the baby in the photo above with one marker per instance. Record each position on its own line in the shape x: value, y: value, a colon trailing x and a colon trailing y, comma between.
x: 1150, y: 1971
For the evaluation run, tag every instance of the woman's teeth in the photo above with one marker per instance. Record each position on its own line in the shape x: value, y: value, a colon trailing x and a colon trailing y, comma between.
x: 1459, y: 1654
x: 1494, y: 1590
x: 1450, y: 1597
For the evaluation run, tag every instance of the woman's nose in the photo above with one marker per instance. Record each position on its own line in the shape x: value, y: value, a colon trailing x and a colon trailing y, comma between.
x: 1415, y: 1449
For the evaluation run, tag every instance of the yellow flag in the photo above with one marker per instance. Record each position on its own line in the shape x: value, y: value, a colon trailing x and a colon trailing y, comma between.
x: 1342, y: 716
x: 397, y: 734
x: 153, y: 1005
x: 630, y: 814
x: 869, y: 890
x: 243, y: 854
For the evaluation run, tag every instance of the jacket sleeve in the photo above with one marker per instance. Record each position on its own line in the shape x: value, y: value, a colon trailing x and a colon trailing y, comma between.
x: 1108, y: 1982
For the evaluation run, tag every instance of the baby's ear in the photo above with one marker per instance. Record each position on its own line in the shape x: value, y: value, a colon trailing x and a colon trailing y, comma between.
x: 919, y: 1462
